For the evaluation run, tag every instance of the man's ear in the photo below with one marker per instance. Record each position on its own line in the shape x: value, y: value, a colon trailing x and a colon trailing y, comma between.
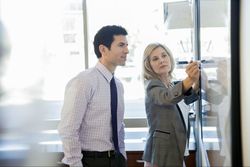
x: 102, y: 49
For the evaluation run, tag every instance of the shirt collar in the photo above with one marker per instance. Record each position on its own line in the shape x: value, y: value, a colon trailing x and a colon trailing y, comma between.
x: 104, y: 71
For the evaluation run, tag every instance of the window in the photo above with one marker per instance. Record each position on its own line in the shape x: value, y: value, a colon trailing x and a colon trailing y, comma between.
x: 46, y: 51
x: 52, y: 41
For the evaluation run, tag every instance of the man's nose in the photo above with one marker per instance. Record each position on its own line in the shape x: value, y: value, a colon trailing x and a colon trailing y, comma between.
x: 126, y: 50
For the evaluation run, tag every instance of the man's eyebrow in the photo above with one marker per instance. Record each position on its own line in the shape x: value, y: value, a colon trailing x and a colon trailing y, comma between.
x: 123, y: 43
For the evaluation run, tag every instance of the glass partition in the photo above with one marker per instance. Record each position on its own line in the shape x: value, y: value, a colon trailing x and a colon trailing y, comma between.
x: 52, y: 40
x: 216, y: 79
x: 46, y: 40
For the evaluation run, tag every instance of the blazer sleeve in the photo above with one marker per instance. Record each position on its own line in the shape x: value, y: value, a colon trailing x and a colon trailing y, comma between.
x: 191, y: 96
x: 164, y: 96
x: 159, y: 94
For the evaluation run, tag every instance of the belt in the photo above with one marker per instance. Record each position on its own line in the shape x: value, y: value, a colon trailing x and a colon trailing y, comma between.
x: 97, y: 154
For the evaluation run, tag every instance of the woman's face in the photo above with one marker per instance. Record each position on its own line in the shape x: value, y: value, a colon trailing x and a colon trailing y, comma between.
x: 160, y: 62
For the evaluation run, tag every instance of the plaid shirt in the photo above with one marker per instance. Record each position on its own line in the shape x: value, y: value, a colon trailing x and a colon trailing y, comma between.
x: 86, y: 115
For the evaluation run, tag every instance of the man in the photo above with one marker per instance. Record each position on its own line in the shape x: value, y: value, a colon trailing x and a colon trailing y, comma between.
x: 86, y: 121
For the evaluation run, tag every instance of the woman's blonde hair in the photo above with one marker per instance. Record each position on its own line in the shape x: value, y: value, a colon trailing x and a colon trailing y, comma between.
x: 148, y: 72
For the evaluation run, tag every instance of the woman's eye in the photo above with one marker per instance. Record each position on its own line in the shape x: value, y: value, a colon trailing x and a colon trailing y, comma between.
x: 155, y: 59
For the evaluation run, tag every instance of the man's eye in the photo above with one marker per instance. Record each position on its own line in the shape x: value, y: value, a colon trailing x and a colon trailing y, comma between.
x: 123, y: 45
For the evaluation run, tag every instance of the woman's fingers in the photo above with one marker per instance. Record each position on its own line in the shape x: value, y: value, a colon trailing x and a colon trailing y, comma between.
x: 193, y: 70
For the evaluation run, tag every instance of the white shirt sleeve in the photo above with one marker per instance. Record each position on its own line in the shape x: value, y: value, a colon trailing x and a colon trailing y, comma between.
x: 74, y: 107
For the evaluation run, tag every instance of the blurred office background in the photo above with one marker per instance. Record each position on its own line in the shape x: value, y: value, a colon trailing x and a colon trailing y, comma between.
x: 50, y: 41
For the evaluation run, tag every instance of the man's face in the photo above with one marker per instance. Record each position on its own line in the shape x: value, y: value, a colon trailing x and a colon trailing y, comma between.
x: 117, y: 54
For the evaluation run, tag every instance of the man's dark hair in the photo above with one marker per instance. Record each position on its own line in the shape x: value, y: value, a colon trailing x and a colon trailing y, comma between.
x: 105, y: 36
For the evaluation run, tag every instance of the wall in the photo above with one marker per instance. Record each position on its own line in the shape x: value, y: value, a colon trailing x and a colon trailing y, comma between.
x: 245, y: 79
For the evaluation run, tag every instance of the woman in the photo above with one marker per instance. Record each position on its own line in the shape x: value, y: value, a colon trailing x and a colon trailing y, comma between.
x: 167, y: 136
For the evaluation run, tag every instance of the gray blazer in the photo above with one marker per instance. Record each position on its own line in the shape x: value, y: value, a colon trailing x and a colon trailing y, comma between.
x: 167, y: 136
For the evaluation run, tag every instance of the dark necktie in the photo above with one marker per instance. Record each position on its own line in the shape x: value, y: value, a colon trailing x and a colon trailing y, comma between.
x: 113, y: 92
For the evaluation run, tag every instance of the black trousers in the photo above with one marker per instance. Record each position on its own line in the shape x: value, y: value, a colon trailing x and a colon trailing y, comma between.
x: 103, y: 159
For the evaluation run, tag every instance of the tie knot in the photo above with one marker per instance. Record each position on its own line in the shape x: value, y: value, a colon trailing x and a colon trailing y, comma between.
x: 112, y: 81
